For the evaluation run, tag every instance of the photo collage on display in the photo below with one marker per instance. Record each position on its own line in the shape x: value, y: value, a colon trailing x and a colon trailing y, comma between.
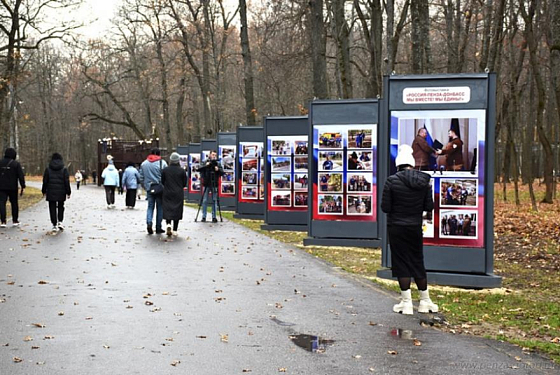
x: 227, y: 181
x: 288, y: 158
x: 345, y: 169
x: 252, y: 184
x: 194, y: 181
x: 445, y: 145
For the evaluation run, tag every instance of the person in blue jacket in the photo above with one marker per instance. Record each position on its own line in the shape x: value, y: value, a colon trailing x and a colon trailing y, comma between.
x: 111, y: 181
x: 130, y: 182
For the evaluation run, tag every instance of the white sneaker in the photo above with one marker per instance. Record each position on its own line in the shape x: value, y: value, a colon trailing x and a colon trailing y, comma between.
x: 175, y: 234
x: 405, y: 306
x: 113, y: 206
x: 60, y: 226
x: 426, y: 305
x: 15, y: 224
x: 108, y: 206
x: 54, y: 229
x: 2, y: 225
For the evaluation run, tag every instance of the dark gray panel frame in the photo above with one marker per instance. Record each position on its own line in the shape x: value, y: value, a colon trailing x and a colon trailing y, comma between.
x: 184, y: 150
x: 450, y: 265
x: 344, y: 112
x: 278, y: 126
x: 193, y: 149
x: 228, y: 139
x: 245, y: 209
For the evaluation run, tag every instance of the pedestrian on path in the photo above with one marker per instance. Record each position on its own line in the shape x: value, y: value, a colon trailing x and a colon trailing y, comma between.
x: 174, y: 180
x: 211, y: 173
x: 78, y: 178
x: 10, y: 174
x: 121, y: 187
x: 111, y: 181
x: 130, y: 182
x: 150, y: 175
x: 56, y: 189
x: 406, y: 195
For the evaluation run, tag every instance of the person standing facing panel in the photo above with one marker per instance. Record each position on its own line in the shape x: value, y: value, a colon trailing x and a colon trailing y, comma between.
x: 150, y: 174
x: 421, y: 150
x: 111, y: 181
x: 56, y: 189
x: 130, y: 182
x: 406, y: 195
x: 174, y: 180
x: 10, y: 173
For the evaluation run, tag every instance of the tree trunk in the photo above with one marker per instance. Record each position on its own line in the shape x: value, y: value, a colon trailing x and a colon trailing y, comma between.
x: 179, y: 112
x: 341, y: 36
x: 250, y: 110
x: 318, y: 43
x: 390, y: 9
x: 488, y: 8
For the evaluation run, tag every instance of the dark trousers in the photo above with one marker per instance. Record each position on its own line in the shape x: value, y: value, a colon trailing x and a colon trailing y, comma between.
x: 110, y: 194
x: 175, y: 224
x: 56, y: 209
x: 12, y: 195
x: 77, y: 185
x: 130, y: 197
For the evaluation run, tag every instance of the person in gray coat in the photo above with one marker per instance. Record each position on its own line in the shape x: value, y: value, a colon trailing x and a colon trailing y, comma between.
x: 174, y: 180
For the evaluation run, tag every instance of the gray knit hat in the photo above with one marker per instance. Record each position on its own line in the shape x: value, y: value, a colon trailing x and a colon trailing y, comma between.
x: 174, y: 157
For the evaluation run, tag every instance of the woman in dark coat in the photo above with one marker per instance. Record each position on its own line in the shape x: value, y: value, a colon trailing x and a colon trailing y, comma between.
x: 174, y: 180
x: 56, y: 188
x: 406, y: 195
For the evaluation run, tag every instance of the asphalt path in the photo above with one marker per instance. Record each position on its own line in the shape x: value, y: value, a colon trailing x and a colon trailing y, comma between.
x: 104, y: 297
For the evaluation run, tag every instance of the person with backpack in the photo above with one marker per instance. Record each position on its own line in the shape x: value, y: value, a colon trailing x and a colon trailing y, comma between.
x: 10, y: 174
x: 56, y: 189
x: 150, y: 175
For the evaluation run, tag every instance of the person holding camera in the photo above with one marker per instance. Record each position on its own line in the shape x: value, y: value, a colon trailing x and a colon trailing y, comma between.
x: 211, y: 172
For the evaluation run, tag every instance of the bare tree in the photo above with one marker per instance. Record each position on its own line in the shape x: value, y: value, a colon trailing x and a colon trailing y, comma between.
x: 250, y: 109
x: 318, y: 48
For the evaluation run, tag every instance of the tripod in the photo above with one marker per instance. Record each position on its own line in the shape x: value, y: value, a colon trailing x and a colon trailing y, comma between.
x: 213, y: 187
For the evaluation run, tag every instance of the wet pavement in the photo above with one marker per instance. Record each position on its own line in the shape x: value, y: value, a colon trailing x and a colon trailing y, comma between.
x: 105, y: 297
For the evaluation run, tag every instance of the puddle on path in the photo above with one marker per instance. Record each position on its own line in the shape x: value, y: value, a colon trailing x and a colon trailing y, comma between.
x: 404, y: 334
x: 281, y: 323
x: 314, y: 344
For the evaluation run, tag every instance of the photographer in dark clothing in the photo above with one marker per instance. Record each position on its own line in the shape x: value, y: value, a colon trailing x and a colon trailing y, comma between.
x: 210, y: 174
x: 10, y: 173
x: 406, y: 195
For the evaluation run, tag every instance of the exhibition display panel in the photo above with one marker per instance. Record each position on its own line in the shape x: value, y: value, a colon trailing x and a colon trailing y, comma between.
x: 250, y: 172
x: 194, y: 184
x: 286, y: 173
x: 449, y: 122
x: 183, y: 152
x: 226, y: 155
x: 343, y: 173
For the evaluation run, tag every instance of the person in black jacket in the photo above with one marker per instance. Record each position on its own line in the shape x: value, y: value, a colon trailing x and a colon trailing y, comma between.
x: 10, y: 173
x: 174, y: 180
x: 56, y: 188
x: 211, y: 172
x: 406, y: 195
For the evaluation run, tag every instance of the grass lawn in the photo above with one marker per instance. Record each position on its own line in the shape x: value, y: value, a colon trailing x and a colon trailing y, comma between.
x: 525, y: 311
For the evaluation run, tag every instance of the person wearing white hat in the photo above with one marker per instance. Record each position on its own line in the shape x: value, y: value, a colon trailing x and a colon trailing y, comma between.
x: 406, y: 195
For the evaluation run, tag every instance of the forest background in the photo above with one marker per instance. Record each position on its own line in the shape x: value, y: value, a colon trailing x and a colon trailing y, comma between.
x: 182, y: 70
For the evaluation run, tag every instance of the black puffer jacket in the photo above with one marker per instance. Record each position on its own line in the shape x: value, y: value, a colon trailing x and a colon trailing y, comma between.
x: 406, y: 195
x: 56, y: 181
x: 10, y: 174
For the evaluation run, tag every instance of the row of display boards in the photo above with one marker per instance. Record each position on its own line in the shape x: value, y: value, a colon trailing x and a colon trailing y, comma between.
x: 324, y: 173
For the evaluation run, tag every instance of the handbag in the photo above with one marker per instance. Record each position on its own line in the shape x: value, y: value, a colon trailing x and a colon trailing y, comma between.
x: 156, y: 188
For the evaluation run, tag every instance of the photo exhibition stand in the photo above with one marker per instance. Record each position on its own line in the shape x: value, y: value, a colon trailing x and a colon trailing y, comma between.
x: 249, y: 173
x: 286, y: 173
x: 452, y: 118
x: 183, y: 152
x: 343, y: 173
x: 226, y: 155
x: 194, y: 176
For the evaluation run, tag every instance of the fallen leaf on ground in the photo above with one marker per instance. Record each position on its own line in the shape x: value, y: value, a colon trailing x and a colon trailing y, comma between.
x: 224, y: 338
x: 282, y: 369
x: 175, y: 362
x: 149, y: 303
x: 106, y: 346
x: 392, y: 352
x: 48, y: 337
x: 247, y: 370
x: 42, y: 282
x: 200, y: 337
x: 28, y: 338
x: 417, y: 342
x: 372, y: 324
x: 40, y: 325
x: 60, y: 313
x: 357, y: 356
x: 34, y: 347
x: 555, y: 340
x: 17, y: 359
